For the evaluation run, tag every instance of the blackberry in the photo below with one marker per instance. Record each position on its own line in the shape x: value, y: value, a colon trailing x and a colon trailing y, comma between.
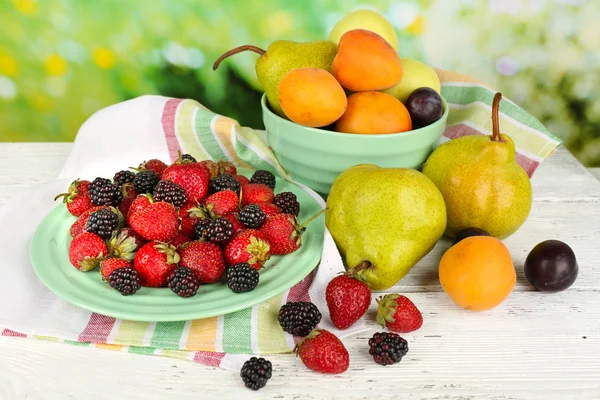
x: 241, y: 278
x: 256, y: 372
x: 287, y: 202
x: 224, y: 182
x: 123, y: 177
x: 170, y: 192
x: 264, y: 177
x: 387, y: 348
x: 183, y: 282
x: 200, y: 228
x: 299, y: 318
x: 252, y: 216
x: 145, y: 181
x: 188, y: 158
x: 102, y: 222
x: 105, y: 193
x: 219, y: 231
x: 125, y: 280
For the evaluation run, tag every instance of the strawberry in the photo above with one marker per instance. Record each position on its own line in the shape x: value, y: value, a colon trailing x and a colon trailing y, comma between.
x: 226, y: 167
x: 269, y: 209
x: 221, y: 203
x: 86, y: 251
x: 154, y: 262
x: 77, y: 198
x: 140, y: 202
x: 158, y: 221
x: 130, y: 233
x: 209, y: 166
x: 323, y: 352
x: 205, y: 259
x: 193, y: 179
x: 348, y: 299
x: 152, y: 165
x: 242, y: 180
x: 254, y: 193
x: 129, y: 195
x: 179, y: 240
x: 284, y: 232
x: 247, y: 246
x: 124, y: 245
x: 237, y: 225
x: 78, y: 226
x: 189, y: 216
x: 108, y: 265
x: 398, y: 313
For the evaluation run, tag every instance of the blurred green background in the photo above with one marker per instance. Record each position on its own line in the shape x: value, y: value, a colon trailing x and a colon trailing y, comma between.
x: 62, y: 60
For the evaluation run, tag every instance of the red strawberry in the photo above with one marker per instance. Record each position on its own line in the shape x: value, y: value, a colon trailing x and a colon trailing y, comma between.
x: 179, y: 240
x: 78, y: 226
x: 130, y: 233
x: 154, y: 262
x: 153, y: 165
x: 284, y: 232
x: 242, y: 180
x: 348, y: 299
x: 158, y: 221
x: 269, y: 209
x: 125, y: 244
x: 189, y: 215
x: 86, y: 251
x: 210, y: 166
x: 237, y: 225
x: 205, y: 259
x: 192, y: 178
x: 254, y: 193
x: 323, y: 352
x: 222, y: 203
x: 226, y: 167
x: 129, y: 195
x: 398, y: 313
x: 247, y: 246
x: 77, y: 198
x: 139, y: 203
x: 108, y: 265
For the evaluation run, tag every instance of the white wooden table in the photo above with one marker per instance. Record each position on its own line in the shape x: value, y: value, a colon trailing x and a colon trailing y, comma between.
x: 533, y: 346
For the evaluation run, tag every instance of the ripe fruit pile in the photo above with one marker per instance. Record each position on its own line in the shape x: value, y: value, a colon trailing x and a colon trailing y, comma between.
x: 181, y: 225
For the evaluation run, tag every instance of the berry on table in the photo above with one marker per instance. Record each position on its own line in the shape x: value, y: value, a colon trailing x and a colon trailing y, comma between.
x: 105, y: 193
x: 224, y: 182
x: 252, y: 216
x: 398, y: 313
x: 299, y: 318
x: 171, y: 193
x: 264, y: 177
x: 256, y: 372
x: 387, y: 348
x: 241, y: 278
x: 125, y: 280
x: 287, y: 202
x: 205, y: 259
x: 123, y: 177
x: 183, y: 282
x: 348, y: 299
x: 103, y: 222
x: 247, y: 246
x: 86, y: 251
x: 322, y: 351
x: 77, y: 198
x: 145, y: 181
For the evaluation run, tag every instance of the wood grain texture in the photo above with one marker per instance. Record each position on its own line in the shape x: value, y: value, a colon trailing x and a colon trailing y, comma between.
x: 533, y: 346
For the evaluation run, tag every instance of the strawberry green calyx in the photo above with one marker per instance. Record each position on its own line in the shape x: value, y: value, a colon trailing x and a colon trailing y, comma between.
x: 386, y: 309
x: 354, y: 273
x: 90, y: 263
x: 299, y: 229
x: 122, y: 246
x: 71, y: 193
x: 169, y: 250
x: 313, y: 334
x: 202, y: 212
x: 259, y: 249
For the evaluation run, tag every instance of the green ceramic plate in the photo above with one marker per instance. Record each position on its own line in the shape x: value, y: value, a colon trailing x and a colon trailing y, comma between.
x: 49, y: 257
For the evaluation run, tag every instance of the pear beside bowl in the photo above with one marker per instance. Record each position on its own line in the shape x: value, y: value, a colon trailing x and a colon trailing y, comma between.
x: 315, y: 157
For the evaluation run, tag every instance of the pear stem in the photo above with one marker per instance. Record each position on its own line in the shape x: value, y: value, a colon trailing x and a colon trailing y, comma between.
x: 363, y: 265
x: 311, y: 218
x: 495, y: 119
x: 235, y: 51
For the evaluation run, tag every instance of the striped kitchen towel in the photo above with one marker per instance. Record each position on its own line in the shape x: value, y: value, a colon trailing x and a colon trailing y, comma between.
x: 158, y: 127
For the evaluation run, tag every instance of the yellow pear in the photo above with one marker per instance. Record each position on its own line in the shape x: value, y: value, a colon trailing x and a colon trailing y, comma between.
x: 365, y: 19
x: 415, y: 74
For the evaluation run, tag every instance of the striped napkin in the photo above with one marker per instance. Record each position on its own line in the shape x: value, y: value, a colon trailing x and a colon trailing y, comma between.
x: 158, y: 127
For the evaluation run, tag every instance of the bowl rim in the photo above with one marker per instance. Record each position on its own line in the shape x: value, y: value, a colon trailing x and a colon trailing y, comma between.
x: 355, y: 136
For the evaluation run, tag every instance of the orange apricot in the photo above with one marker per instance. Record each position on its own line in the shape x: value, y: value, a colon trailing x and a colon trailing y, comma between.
x: 373, y: 113
x: 311, y: 97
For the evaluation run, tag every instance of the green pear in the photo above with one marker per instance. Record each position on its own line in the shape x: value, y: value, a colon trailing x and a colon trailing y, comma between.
x: 384, y: 220
x: 365, y: 19
x: 482, y: 184
x: 281, y: 57
x: 415, y: 74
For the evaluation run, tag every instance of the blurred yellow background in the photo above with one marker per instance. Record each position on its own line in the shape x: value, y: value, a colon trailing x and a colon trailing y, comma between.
x: 62, y: 60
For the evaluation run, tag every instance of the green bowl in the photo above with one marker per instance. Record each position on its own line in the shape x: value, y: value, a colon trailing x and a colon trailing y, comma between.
x: 315, y: 157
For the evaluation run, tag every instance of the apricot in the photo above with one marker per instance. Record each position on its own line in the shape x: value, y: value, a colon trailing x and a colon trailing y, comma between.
x: 365, y: 61
x: 372, y: 113
x: 312, y: 97
x: 477, y: 273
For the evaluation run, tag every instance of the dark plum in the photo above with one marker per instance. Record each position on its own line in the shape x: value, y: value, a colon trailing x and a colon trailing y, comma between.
x: 424, y: 106
x: 551, y: 266
x: 468, y: 232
